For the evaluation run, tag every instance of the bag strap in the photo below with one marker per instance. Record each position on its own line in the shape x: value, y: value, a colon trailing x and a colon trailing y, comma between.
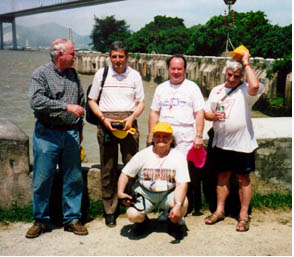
x: 102, y: 83
x: 231, y: 91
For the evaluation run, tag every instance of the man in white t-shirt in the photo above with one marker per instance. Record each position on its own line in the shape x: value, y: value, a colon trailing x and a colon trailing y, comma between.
x: 122, y: 101
x: 234, y: 141
x: 162, y: 182
x: 179, y: 102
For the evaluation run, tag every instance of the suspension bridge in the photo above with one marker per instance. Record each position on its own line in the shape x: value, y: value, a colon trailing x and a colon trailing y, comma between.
x: 11, y: 9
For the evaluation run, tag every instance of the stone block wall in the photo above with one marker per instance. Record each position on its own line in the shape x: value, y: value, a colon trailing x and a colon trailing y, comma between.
x: 15, y: 182
x: 207, y: 71
x: 274, y: 160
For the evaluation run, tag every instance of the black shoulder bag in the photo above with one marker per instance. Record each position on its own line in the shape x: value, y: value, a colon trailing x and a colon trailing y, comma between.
x: 210, y: 132
x: 90, y: 116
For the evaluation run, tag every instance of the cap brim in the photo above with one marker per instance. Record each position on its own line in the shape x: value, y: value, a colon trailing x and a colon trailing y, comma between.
x: 121, y: 134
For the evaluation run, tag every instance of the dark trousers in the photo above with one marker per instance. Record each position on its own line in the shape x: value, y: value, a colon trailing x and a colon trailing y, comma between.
x: 194, y: 188
x: 110, y: 172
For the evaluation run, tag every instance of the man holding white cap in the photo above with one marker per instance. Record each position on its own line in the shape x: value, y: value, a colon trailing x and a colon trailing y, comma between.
x: 163, y: 178
x: 179, y: 102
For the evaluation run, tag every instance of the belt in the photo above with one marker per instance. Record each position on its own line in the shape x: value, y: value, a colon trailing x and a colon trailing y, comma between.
x: 60, y: 127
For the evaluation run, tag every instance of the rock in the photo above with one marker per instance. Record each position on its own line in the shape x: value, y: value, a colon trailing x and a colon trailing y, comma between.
x: 15, y: 182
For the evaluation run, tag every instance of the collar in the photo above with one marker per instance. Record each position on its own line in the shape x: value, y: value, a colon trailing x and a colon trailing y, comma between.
x: 124, y: 74
x: 177, y: 85
x: 53, y: 67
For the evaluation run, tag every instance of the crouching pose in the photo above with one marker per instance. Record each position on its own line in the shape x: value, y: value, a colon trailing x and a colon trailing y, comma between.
x: 163, y: 178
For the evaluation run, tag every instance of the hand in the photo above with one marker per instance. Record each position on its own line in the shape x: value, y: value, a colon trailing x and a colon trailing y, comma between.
x: 107, y: 123
x: 127, y: 199
x: 75, y: 109
x: 175, y: 214
x: 129, y: 122
x: 245, y: 58
x: 198, y: 143
x: 149, y: 140
x: 218, y: 116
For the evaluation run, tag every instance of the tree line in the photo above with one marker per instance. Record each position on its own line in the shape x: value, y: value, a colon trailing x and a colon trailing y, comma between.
x: 168, y: 35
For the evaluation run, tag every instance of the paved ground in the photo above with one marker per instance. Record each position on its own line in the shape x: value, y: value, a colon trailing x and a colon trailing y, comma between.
x: 270, y: 234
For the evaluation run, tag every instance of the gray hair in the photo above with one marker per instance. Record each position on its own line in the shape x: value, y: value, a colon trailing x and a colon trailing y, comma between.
x: 56, y: 46
x: 234, y: 65
x: 118, y: 45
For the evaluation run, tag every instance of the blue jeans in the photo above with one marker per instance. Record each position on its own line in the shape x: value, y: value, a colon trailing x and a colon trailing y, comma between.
x: 52, y: 147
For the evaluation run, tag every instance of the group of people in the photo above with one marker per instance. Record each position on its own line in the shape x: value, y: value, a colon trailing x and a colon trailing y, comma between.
x: 158, y: 176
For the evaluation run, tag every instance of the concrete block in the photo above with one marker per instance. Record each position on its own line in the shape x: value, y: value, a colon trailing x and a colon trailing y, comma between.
x: 15, y: 182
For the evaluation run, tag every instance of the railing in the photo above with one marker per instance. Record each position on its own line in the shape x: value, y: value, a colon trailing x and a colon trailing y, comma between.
x: 8, y: 6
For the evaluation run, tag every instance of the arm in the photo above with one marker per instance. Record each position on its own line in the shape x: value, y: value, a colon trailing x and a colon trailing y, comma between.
x: 121, y: 186
x: 96, y: 110
x: 250, y: 75
x: 199, y: 117
x: 137, y: 112
x: 153, y: 119
x: 213, y: 116
x: 180, y: 194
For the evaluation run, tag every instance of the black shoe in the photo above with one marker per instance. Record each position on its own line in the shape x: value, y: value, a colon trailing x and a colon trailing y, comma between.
x: 197, y: 213
x: 175, y: 230
x: 110, y: 220
x: 140, y: 228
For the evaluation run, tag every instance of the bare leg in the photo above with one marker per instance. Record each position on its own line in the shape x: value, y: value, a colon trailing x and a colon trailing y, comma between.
x: 245, y: 194
x: 222, y: 191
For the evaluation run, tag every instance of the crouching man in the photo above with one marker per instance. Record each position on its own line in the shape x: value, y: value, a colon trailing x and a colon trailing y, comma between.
x: 163, y: 178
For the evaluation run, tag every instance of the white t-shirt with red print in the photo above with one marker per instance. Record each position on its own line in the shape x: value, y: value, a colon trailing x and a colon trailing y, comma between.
x: 236, y: 131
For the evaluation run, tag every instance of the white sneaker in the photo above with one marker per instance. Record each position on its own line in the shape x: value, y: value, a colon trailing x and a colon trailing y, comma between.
x: 181, y: 222
x: 163, y: 216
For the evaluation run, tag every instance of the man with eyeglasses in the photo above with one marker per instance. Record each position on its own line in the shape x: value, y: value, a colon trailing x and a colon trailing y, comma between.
x: 234, y: 141
x: 163, y: 178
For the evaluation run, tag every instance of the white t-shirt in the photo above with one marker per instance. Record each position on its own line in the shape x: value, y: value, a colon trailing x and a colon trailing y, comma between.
x: 236, y: 131
x: 120, y: 92
x: 158, y: 174
x: 177, y: 104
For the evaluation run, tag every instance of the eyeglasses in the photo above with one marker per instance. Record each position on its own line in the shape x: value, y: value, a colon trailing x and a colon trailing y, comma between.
x: 232, y: 75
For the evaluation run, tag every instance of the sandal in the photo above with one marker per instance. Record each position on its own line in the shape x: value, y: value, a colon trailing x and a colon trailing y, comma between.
x: 214, y: 218
x: 243, y: 225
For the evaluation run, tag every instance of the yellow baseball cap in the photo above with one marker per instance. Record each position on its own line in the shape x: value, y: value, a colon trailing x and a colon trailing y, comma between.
x: 237, y: 54
x: 121, y: 134
x: 82, y: 153
x: 162, y: 127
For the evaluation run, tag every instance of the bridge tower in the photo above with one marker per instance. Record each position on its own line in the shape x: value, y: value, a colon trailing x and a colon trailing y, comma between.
x: 19, y: 9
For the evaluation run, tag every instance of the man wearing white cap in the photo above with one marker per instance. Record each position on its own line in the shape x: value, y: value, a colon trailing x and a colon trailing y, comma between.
x: 162, y: 182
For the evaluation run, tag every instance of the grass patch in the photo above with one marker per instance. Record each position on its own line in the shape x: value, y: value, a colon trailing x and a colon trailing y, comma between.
x: 275, y: 200
x: 16, y: 213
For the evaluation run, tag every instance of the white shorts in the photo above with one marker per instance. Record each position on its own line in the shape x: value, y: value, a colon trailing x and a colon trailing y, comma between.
x: 184, y: 136
x: 161, y: 200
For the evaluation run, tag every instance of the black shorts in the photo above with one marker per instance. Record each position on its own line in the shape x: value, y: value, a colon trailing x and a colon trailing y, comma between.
x: 226, y: 160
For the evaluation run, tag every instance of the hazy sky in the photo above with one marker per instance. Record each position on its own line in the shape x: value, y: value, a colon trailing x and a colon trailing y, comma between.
x: 137, y: 13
